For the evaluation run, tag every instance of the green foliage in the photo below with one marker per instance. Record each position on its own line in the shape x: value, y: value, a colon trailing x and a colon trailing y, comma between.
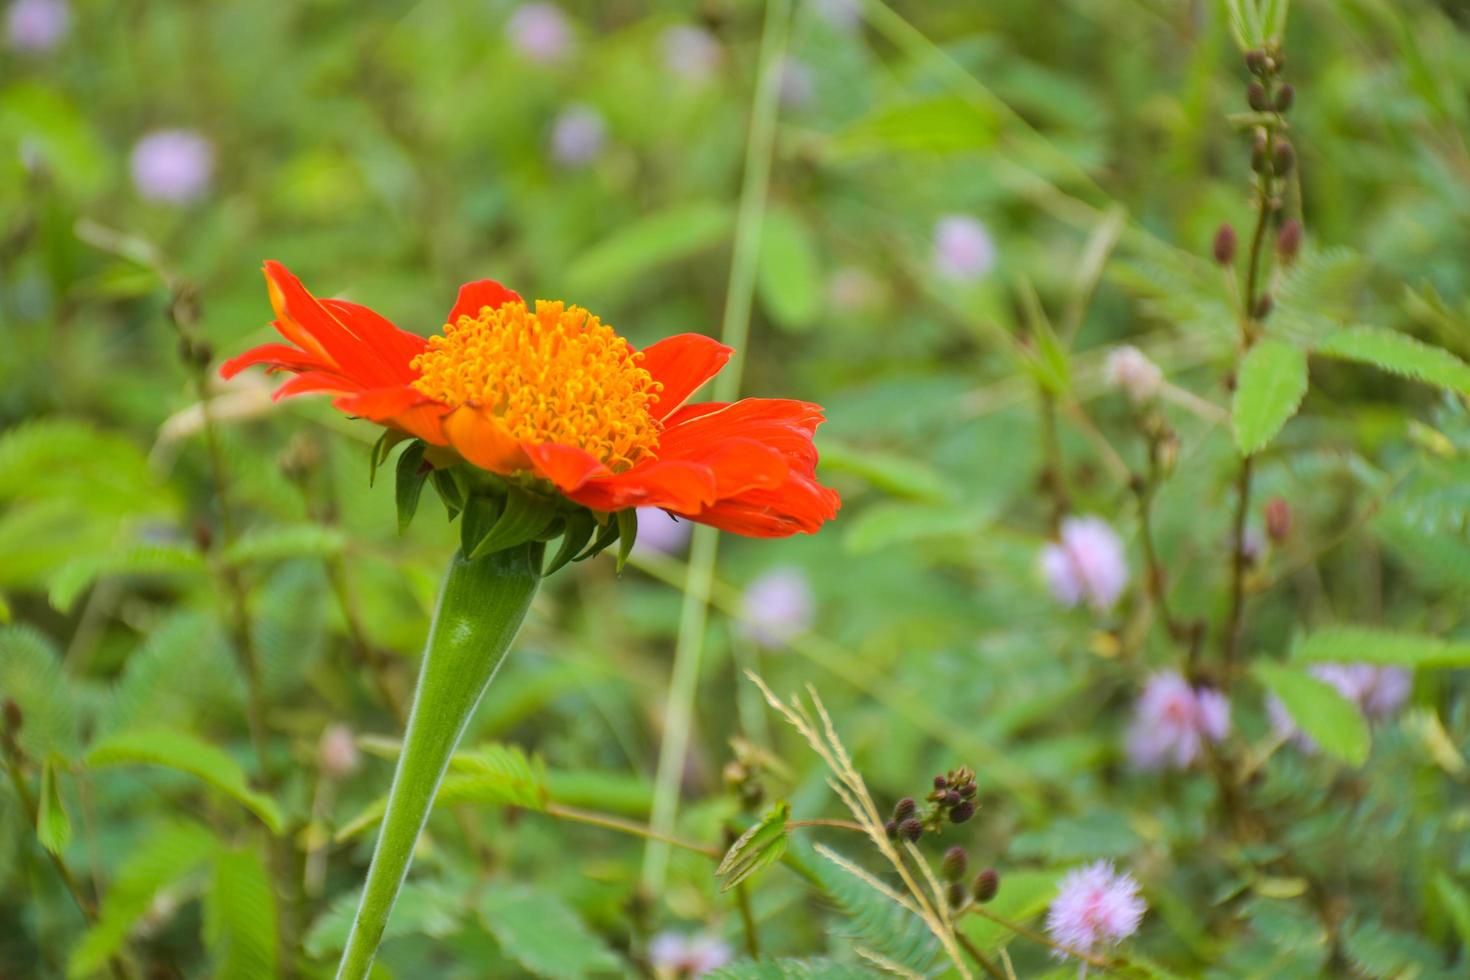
x: 1023, y: 895
x: 1359, y: 644
x: 240, y: 917
x: 1272, y: 381
x: 422, y: 910
x: 31, y: 676
x: 1398, y: 354
x: 76, y: 575
x: 758, y: 848
x: 791, y: 969
x: 1331, y: 720
x: 53, y: 823
x: 542, y: 934
x: 271, y: 544
x: 637, y: 250
x: 872, y: 918
x: 789, y: 273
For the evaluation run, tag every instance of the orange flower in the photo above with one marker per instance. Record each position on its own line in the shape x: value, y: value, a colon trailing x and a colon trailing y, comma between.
x: 549, y: 390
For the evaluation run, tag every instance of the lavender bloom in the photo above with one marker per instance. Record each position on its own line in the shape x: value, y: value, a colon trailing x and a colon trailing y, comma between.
x: 1172, y: 721
x: 777, y: 607
x: 1379, y: 692
x: 691, y: 53
x: 172, y: 165
x: 1095, y: 906
x: 578, y: 136
x: 677, y: 955
x: 540, y: 31
x: 659, y: 533
x: 37, y: 25
x: 1129, y: 369
x: 963, y: 249
x: 1087, y: 564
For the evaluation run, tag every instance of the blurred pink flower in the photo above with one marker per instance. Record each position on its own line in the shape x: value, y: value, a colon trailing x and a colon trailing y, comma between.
x: 1086, y: 565
x: 676, y: 955
x: 37, y: 25
x: 578, y: 136
x: 1172, y: 720
x: 1378, y: 691
x: 1095, y: 906
x: 172, y: 165
x: 660, y: 533
x: 337, y: 753
x: 777, y: 607
x: 963, y: 248
x: 691, y: 53
x: 540, y: 31
x: 1129, y: 369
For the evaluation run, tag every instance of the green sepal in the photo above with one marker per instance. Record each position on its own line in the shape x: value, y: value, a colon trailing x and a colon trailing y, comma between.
x: 524, y: 516
x: 446, y: 482
x: 381, y: 449
x: 627, y: 534
x: 576, y: 532
x: 605, y: 537
x: 410, y: 486
x: 53, y: 825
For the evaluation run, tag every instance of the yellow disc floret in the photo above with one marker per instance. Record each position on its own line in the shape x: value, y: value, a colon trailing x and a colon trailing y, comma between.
x: 556, y: 374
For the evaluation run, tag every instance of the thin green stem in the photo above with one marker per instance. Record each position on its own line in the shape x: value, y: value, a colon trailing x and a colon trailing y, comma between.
x: 980, y: 958
x: 734, y: 329
x: 608, y: 821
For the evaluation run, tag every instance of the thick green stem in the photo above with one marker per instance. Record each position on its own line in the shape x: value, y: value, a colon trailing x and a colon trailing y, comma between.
x: 480, y: 610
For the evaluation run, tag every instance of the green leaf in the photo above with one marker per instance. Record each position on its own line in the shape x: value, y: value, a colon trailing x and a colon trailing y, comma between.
x: 240, y: 918
x: 280, y: 542
x: 758, y: 848
x: 185, y: 753
x: 423, y: 909
x: 885, y: 525
x: 53, y: 824
x: 1456, y: 902
x: 939, y: 124
x: 145, y: 559
x: 60, y: 458
x: 1398, y: 354
x: 1365, y: 644
x: 817, y: 968
x: 1268, y: 390
x: 1331, y: 720
x: 182, y: 673
x: 789, y: 271
x: 410, y: 477
x: 1273, y: 19
x: 381, y: 449
x: 170, y: 853
x: 901, y: 476
x: 1023, y: 895
x: 873, y: 919
x: 637, y: 249
x: 542, y: 934
x: 523, y: 518
x: 31, y: 676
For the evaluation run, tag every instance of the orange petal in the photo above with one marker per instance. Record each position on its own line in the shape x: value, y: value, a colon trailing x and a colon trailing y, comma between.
x: 481, y: 439
x: 682, y: 364
x: 566, y: 466
x: 475, y: 296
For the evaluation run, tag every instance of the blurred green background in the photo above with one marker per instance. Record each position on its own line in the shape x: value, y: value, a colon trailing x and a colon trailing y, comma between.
x: 941, y: 172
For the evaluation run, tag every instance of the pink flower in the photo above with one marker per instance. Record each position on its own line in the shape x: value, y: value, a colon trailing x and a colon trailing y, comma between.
x: 578, y: 136
x: 963, y: 249
x: 660, y: 533
x: 1129, y: 369
x: 691, y: 53
x: 674, y: 954
x: 777, y: 607
x: 37, y: 25
x: 540, y: 31
x: 1087, y: 564
x: 172, y: 165
x: 1379, y: 692
x: 1095, y: 906
x: 1172, y: 721
x: 337, y: 753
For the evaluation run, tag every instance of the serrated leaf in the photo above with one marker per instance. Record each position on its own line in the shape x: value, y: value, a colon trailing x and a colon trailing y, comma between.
x: 409, y: 479
x: 170, y: 853
x: 31, y: 676
x: 542, y: 934
x: 421, y: 909
x: 631, y: 253
x: 873, y: 919
x: 53, y: 824
x: 60, y: 458
x: 1268, y: 390
x: 1389, y: 648
x: 281, y: 542
x: 1316, y: 707
x: 757, y: 848
x: 182, y: 672
x: 240, y: 918
x: 1398, y: 354
x: 145, y: 559
x: 788, y: 271
x: 185, y: 753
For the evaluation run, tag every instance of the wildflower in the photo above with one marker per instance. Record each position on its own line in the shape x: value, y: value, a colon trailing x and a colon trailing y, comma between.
x: 674, y: 954
x: 1129, y: 370
x: 1379, y: 692
x: 172, y: 165
x: 691, y: 53
x: 551, y: 396
x: 540, y: 32
x: 37, y: 25
x: 578, y: 135
x: 336, y: 752
x: 662, y: 533
x: 1086, y: 564
x: 1172, y: 721
x: 963, y: 249
x: 1095, y: 906
x: 777, y: 607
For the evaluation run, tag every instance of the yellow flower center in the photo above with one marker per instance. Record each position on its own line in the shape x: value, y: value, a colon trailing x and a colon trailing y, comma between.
x: 556, y: 374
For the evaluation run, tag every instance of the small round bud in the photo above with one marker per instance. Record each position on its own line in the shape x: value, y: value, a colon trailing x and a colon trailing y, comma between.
x: 956, y: 894
x: 952, y: 798
x: 967, y: 790
x: 1256, y: 61
x: 1224, y: 247
x: 963, y: 812
x: 13, y: 716
x: 1278, y: 519
x: 954, y: 863
x: 904, y: 809
x: 1255, y: 95
x: 1282, y: 158
x: 1289, y: 240
x: 1258, y: 153
x: 986, y: 885
x: 940, y: 782
x: 1264, y: 306
x: 1284, y: 98
x: 203, y: 536
x: 911, y: 830
x: 891, y: 829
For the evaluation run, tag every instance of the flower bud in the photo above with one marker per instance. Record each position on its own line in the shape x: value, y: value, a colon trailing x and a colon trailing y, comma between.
x: 911, y: 830
x: 963, y: 812
x: 1278, y: 519
x: 1256, y: 61
x: 1255, y: 95
x: 337, y: 753
x: 1284, y: 98
x: 954, y: 863
x: 1258, y: 153
x: 940, y: 782
x: 956, y: 894
x: 891, y: 829
x: 1225, y: 244
x: 1289, y: 240
x: 967, y: 790
x: 952, y: 798
x: 904, y: 809
x: 13, y: 717
x: 1282, y: 158
x: 986, y: 885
